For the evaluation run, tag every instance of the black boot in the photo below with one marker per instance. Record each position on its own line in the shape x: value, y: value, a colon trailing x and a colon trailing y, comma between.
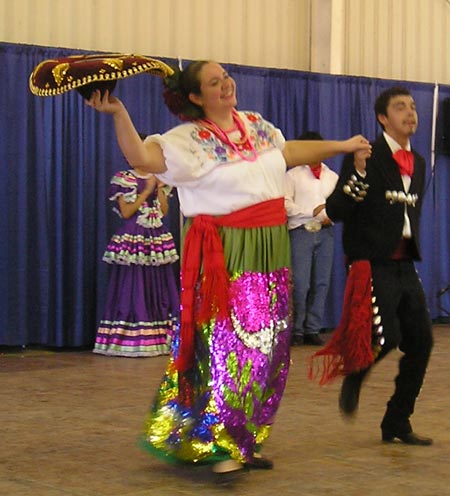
x: 396, y: 425
x: 350, y: 390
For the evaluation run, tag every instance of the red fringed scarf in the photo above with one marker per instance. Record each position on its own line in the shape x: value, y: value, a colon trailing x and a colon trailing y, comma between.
x: 203, y: 250
x: 350, y: 347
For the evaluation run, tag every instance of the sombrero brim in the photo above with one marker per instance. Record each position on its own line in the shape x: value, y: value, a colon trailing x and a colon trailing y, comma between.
x: 55, y: 76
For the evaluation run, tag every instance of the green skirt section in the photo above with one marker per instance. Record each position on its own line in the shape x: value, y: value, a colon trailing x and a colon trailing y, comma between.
x: 258, y: 249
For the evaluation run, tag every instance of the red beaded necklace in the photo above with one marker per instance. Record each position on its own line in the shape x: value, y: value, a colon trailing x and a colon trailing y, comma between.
x: 243, y: 147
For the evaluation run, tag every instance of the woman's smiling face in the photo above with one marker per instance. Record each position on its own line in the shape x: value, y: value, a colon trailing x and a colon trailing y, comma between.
x: 218, y: 89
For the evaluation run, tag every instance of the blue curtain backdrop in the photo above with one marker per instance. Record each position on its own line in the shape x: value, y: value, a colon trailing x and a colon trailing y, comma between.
x: 57, y: 156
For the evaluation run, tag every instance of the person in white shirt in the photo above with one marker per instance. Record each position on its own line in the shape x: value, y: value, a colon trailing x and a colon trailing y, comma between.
x: 312, y: 244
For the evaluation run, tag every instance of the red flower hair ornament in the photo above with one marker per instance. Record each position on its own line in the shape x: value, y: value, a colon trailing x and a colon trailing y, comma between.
x: 176, y: 99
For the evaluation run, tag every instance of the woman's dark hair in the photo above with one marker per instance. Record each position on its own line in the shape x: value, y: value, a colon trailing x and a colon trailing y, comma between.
x: 382, y: 102
x: 179, y: 86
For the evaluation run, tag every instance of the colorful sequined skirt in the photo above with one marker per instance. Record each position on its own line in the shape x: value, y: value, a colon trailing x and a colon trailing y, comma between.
x: 225, y: 405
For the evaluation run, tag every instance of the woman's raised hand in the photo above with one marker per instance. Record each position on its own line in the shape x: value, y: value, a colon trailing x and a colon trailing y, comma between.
x: 356, y: 143
x: 106, y: 103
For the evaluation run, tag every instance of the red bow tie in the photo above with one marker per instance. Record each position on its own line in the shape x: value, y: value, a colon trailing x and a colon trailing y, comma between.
x: 316, y: 170
x: 405, y: 161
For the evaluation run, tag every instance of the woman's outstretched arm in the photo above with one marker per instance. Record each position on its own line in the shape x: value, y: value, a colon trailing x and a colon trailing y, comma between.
x: 147, y: 156
x: 299, y: 152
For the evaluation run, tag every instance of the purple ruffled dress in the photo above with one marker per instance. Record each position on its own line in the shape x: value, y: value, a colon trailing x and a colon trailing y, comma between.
x: 142, y: 304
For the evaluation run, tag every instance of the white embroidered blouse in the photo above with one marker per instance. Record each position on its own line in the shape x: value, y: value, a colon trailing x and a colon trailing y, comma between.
x: 212, y: 178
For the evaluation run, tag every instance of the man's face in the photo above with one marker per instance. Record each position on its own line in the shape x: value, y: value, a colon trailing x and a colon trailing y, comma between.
x: 401, y: 119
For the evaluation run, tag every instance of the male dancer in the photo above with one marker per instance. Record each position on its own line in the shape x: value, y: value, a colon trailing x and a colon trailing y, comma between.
x: 379, y: 198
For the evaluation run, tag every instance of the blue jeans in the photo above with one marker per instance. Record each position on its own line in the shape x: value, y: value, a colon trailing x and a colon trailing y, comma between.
x: 312, y: 261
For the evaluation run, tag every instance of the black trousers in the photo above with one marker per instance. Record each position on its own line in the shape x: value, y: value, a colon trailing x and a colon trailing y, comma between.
x: 407, y: 325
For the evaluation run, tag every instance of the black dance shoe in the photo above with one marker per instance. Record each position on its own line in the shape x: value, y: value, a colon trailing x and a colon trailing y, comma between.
x: 297, y: 339
x: 409, y: 438
x: 313, y: 340
x: 258, y: 462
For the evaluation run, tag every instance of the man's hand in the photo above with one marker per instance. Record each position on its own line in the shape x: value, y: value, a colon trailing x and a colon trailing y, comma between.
x: 359, y: 160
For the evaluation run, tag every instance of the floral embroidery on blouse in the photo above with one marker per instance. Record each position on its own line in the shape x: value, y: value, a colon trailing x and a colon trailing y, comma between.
x: 261, y: 133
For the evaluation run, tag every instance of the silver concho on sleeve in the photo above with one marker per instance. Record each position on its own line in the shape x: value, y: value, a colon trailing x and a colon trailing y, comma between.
x: 355, y: 189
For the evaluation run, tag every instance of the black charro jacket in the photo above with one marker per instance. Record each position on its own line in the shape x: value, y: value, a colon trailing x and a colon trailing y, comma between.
x: 373, y: 227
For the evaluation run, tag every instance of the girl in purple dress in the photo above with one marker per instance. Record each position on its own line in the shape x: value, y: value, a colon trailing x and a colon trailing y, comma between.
x: 142, y: 303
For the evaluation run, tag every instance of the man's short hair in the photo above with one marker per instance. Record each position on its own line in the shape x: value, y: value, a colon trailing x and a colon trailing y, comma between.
x: 382, y: 102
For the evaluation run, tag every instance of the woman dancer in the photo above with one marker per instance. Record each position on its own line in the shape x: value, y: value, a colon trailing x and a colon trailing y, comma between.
x: 226, y: 375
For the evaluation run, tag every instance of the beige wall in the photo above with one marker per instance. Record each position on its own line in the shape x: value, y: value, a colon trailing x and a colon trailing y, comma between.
x: 398, y: 39
x: 271, y: 33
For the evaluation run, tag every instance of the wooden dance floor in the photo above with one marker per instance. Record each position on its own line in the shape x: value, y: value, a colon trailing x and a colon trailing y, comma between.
x: 69, y: 423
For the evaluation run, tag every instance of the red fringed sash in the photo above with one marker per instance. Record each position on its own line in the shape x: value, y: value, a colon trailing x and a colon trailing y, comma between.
x: 350, y: 347
x: 203, y: 248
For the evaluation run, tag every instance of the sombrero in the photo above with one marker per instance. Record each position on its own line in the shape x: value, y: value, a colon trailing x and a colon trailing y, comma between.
x: 87, y: 73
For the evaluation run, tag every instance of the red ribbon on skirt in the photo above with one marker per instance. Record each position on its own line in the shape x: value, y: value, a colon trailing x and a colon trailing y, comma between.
x: 203, y: 249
